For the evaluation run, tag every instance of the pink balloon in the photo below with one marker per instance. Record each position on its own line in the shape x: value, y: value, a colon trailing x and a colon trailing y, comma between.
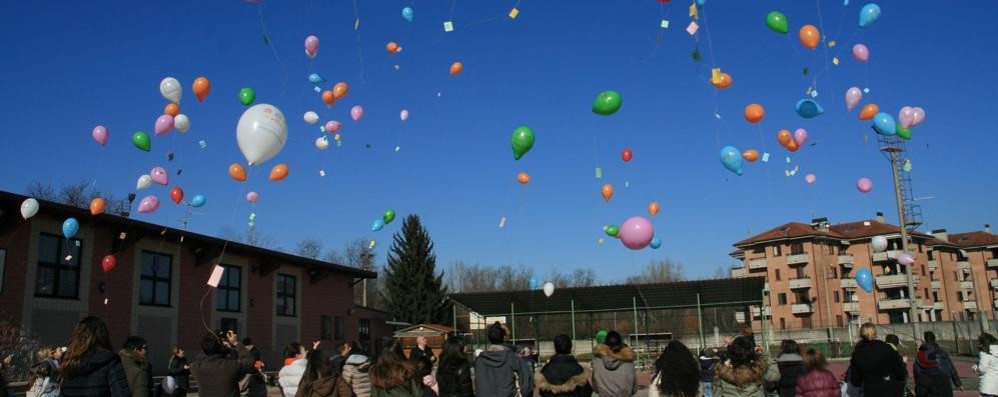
x: 164, y: 124
x: 918, y: 115
x: 311, y: 46
x: 853, y: 95
x: 356, y: 113
x: 861, y: 53
x: 636, y: 233
x: 800, y: 136
x: 864, y: 185
x: 905, y: 258
x: 148, y: 205
x: 252, y: 197
x: 810, y: 179
x: 99, y: 134
x: 159, y: 175
x: 333, y: 126
x: 906, y: 116
x: 404, y: 115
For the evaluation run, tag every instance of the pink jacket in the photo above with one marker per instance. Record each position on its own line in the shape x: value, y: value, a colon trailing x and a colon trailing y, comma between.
x: 818, y: 383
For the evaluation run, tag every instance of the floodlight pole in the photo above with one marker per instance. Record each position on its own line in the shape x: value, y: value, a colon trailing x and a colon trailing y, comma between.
x: 573, y: 318
x: 700, y: 320
x: 512, y: 321
x: 893, y: 153
x: 634, y: 304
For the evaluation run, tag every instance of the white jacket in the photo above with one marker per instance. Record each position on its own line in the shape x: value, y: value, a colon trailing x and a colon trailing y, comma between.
x: 290, y: 376
x: 987, y: 368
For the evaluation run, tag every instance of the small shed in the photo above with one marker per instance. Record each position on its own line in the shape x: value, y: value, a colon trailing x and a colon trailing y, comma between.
x: 435, y: 334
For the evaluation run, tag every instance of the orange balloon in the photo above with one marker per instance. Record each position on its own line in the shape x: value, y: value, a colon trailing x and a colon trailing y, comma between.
x: 201, y: 88
x: 237, y: 172
x: 392, y: 47
x: 750, y: 155
x: 340, y: 90
x: 456, y: 68
x: 870, y: 110
x: 607, y: 192
x: 97, y: 206
x: 328, y: 97
x: 723, y: 81
x: 754, y: 113
x: 523, y: 178
x: 172, y: 109
x: 653, y: 208
x: 809, y: 36
x: 279, y: 172
x: 792, y: 146
x: 784, y: 137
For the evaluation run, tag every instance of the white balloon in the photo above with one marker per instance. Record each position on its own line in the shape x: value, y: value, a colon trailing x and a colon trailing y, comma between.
x: 170, y: 89
x: 879, y: 243
x: 29, y: 207
x: 548, y: 289
x: 322, y: 143
x: 261, y: 133
x: 404, y: 115
x: 311, y: 117
x: 182, y: 123
x: 144, y: 182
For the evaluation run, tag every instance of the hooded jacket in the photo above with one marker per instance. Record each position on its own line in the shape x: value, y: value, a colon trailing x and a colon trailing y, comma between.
x: 136, y: 372
x: 330, y: 386
x: 563, y: 376
x: 290, y: 376
x: 934, y: 357
x: 987, y: 368
x: 455, y: 381
x: 355, y: 374
x: 497, y: 370
x: 707, y: 363
x: 791, y: 366
x: 744, y: 381
x: 100, y: 375
x: 818, y: 383
x: 219, y: 375
x: 613, y: 372
x: 877, y: 369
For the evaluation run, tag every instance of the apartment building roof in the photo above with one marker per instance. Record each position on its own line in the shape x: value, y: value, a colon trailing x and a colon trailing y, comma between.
x: 842, y: 231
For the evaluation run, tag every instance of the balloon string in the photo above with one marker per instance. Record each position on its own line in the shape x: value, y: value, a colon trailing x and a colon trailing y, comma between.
x: 360, y: 55
x: 273, y: 49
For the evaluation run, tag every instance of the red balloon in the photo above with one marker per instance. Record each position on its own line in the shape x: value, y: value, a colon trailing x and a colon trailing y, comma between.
x: 177, y: 194
x: 626, y: 155
x: 108, y: 263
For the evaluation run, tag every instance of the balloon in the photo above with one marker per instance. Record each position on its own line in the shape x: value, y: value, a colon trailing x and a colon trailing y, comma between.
x: 182, y: 123
x: 333, y: 126
x: 340, y: 90
x: 864, y: 279
x: 97, y: 206
x: 809, y: 109
x: 809, y: 36
x: 636, y: 233
x: 141, y: 140
x: 653, y: 208
x: 201, y: 88
x: 754, y: 113
x: 860, y: 53
x: 311, y: 117
x: 356, y: 112
x: 328, y: 98
x: 144, y: 182
x: 392, y: 47
x: 792, y: 146
x: 311, y: 46
x: 905, y: 116
x: 601, y: 334
x: 404, y: 115
x: 29, y: 207
x: 177, y: 194
x: 853, y: 95
x: 655, y: 243
x: 869, y: 14
x: 810, y: 179
x: 533, y: 280
x: 70, y: 227
x: 377, y: 225
x: 879, y: 243
x: 159, y: 175
x: 607, y: 103
x: 407, y: 13
x: 261, y: 133
x: 456, y: 68
x: 864, y: 185
x: 607, y: 192
x: 171, y: 109
x: 918, y: 115
x: 388, y: 216
x: 777, y: 22
x: 868, y: 111
x: 522, y: 141
x: 783, y: 137
x: 164, y: 123
x: 252, y: 197
x: 197, y: 201
x: 314, y: 78
x: 322, y: 143
x: 723, y: 81
x: 626, y: 155
x: 246, y: 96
x: 100, y: 135
x: 906, y: 259
x: 148, y: 205
x: 800, y: 136
x: 108, y: 263
x: 279, y: 172
x: 731, y: 157
x: 523, y: 178
x: 548, y: 289
x: 170, y: 89
x: 750, y: 155
x: 884, y: 124
x: 612, y: 230
x: 903, y: 133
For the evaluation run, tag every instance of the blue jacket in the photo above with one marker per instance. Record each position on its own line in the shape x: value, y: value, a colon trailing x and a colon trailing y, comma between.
x: 707, y: 368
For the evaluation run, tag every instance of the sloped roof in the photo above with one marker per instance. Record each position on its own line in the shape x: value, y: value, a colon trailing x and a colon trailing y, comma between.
x: 844, y: 231
x: 869, y: 228
x: 973, y: 239
x: 423, y: 330
x: 785, y: 231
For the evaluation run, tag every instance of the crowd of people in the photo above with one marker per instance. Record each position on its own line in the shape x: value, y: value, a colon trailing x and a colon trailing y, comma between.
x: 226, y: 367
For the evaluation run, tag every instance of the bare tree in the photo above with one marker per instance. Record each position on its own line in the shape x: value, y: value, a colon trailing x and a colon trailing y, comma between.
x: 75, y: 194
x: 659, y: 271
x: 583, y: 278
x: 310, y: 248
x: 334, y: 257
x: 721, y: 272
x: 41, y: 191
x: 359, y: 254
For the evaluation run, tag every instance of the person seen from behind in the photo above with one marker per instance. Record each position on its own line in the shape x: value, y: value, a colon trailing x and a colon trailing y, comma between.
x: 355, y: 371
x: 295, y: 361
x: 395, y: 376
x: 987, y: 365
x: 320, y: 380
x: 933, y: 370
x: 876, y: 368
x: 817, y: 381
x: 613, y: 368
x: 43, y: 376
x: 677, y: 373
x: 89, y: 368
x: 223, y: 364
x: 454, y: 371
x: 791, y: 365
x: 499, y: 372
x: 708, y: 359
x: 253, y: 384
x: 744, y: 371
x: 563, y: 376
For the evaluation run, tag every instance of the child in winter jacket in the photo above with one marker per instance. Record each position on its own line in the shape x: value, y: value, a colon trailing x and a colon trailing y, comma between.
x: 817, y: 381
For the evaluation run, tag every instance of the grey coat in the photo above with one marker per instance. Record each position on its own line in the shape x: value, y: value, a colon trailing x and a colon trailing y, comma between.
x: 613, y: 372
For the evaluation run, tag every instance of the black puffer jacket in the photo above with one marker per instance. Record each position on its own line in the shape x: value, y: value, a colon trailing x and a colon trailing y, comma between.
x: 455, y: 380
x: 219, y: 375
x: 877, y: 369
x: 791, y: 366
x: 179, y: 373
x: 100, y: 375
x: 563, y: 376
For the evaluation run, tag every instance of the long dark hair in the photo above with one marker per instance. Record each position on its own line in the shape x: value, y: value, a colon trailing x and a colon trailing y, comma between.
x: 453, y: 355
x: 678, y: 372
x: 985, y: 341
x: 317, y: 368
x: 392, y: 368
x: 789, y: 346
x: 90, y: 334
x: 741, y: 352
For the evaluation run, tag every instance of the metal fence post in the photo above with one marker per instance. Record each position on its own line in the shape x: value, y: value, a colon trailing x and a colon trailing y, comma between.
x: 573, y: 318
x: 700, y: 320
x: 512, y: 322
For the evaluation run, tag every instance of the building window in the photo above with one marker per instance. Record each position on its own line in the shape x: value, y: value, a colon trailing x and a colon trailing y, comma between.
x: 230, y: 324
x: 364, y: 329
x: 935, y: 296
x: 58, y: 267
x: 931, y: 254
x: 920, y: 248
x: 923, y: 270
x: 777, y: 274
x: 776, y: 250
x: 338, y: 328
x: 781, y: 298
x: 836, y: 294
x: 802, y: 298
x: 926, y: 293
x: 286, y: 293
x: 835, y: 272
x: 955, y: 277
x: 805, y: 322
x: 326, y: 327
x: 783, y: 323
x: 796, y: 248
x: 229, y: 292
x: 154, y: 288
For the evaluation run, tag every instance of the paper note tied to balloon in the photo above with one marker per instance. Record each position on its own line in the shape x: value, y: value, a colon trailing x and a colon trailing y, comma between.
x: 715, y: 75
x: 216, y: 276
x: 692, y: 28
x: 203, y: 144
x: 322, y: 172
x: 835, y: 61
x: 371, y: 245
x: 356, y: 24
x: 599, y: 172
x: 514, y: 13
x: 907, y: 165
x: 693, y: 11
x: 448, y: 26
x: 765, y: 157
x: 665, y: 24
x: 502, y: 222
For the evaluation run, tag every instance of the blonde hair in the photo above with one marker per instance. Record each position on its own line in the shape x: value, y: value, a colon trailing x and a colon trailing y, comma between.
x: 868, y: 331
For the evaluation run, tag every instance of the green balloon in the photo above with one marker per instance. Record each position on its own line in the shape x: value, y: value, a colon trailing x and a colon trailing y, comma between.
x: 612, y: 230
x: 777, y: 22
x: 607, y: 103
x: 601, y: 336
x: 141, y: 140
x: 522, y: 141
x: 247, y: 96
x: 389, y: 216
x: 902, y: 132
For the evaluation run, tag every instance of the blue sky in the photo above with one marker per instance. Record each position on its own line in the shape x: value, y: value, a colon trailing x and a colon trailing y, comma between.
x: 70, y: 67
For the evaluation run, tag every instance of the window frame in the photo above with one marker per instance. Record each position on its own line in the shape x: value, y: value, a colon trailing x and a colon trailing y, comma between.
x: 364, y: 329
x: 338, y: 331
x: 59, y: 267
x: 283, y: 295
x: 155, y: 279
x: 232, y: 320
x: 326, y: 327
x: 228, y: 288
x: 781, y: 298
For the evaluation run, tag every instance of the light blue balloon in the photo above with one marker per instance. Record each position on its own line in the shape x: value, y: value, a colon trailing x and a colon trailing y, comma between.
x: 884, y: 124
x: 809, y: 109
x: 197, y: 201
x: 731, y: 157
x: 869, y: 14
x: 533, y: 283
x: 865, y: 279
x: 407, y: 13
x: 655, y: 243
x: 701, y: 2
x: 70, y: 227
x: 377, y: 225
x: 314, y: 78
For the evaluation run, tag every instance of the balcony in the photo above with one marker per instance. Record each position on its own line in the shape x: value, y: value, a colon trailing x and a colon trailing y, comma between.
x: 765, y: 287
x: 936, y: 284
x: 738, y: 272
x: 967, y: 285
x: 801, y: 308
x: 800, y: 283
x: 892, y: 281
x: 938, y: 306
x: 886, y: 255
x: 993, y: 262
x: 891, y: 304
x: 797, y: 259
x: 851, y: 307
x: 848, y: 283
x: 970, y: 306
x: 757, y: 264
x: 964, y: 266
x: 994, y: 285
x: 933, y: 265
x: 740, y: 317
x: 766, y: 310
x: 845, y: 261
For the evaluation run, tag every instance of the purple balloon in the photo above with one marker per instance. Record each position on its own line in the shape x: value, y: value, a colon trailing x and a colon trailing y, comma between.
x: 864, y: 185
x: 100, y: 135
x: 252, y: 197
x: 333, y: 126
x: 800, y: 136
x: 906, y: 116
x: 148, y: 205
x: 906, y: 259
x: 636, y: 233
x: 356, y: 113
x: 164, y: 124
x: 918, y: 115
x: 311, y: 46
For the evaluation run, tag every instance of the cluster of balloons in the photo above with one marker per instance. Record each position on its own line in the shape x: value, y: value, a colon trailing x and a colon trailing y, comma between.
x: 386, y: 219
x: 338, y: 91
x: 792, y: 142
